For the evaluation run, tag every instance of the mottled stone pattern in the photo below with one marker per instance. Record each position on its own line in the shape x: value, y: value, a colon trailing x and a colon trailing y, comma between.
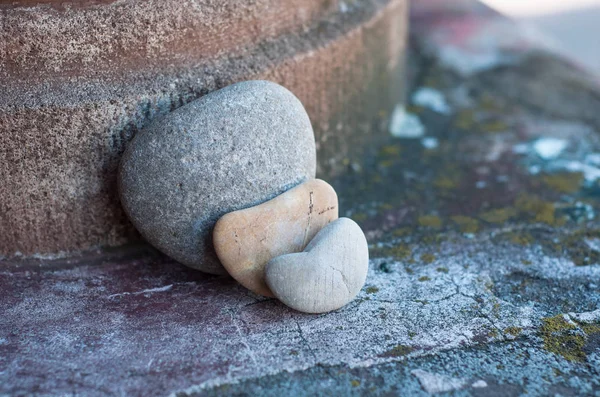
x: 485, y: 258
x: 66, y: 118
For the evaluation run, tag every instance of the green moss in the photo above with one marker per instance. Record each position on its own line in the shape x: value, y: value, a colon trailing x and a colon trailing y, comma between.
x: 411, y: 334
x: 355, y: 383
x: 431, y: 221
x: 526, y: 262
x: 399, y: 351
x: 493, y: 333
x: 423, y: 302
x: 424, y: 278
x: 564, y: 182
x: 466, y: 224
x: 513, y: 331
x: 427, y: 258
x: 372, y: 290
x: 294, y: 352
x: 500, y: 215
x: 560, y: 338
x: 442, y: 269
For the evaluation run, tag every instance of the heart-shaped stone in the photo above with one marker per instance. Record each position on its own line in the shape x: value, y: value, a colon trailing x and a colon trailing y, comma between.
x: 327, y: 275
x: 246, y: 240
x: 231, y: 149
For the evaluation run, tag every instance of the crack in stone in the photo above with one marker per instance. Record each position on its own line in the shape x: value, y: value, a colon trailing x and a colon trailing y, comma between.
x: 310, y: 211
x: 478, y: 310
x: 243, y: 337
x: 344, y: 279
x: 305, y: 341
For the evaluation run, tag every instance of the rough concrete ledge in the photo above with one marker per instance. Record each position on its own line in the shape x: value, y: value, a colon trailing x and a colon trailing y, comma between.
x: 61, y: 137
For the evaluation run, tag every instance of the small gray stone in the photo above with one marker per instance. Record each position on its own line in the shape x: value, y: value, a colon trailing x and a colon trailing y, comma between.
x: 231, y: 149
x: 327, y: 275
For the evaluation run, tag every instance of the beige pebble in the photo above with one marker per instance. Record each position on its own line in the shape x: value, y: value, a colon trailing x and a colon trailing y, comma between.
x: 246, y: 240
x: 327, y: 275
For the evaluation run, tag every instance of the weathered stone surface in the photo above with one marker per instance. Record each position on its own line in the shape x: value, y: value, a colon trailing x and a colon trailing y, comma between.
x: 246, y: 240
x: 485, y: 260
x: 231, y: 149
x: 327, y: 275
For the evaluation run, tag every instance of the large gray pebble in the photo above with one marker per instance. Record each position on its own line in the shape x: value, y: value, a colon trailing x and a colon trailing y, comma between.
x: 231, y: 149
x: 327, y: 275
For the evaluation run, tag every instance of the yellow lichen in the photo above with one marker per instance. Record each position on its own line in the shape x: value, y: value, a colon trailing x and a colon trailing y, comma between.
x: 399, y: 351
x: 359, y: 217
x: 499, y: 215
x: 390, y: 151
x: 564, y: 182
x: 560, y: 338
x: 494, y: 126
x: 432, y: 221
x: 372, y: 290
x: 402, y: 232
x: 427, y: 258
x: 521, y: 238
x: 465, y: 119
x: 386, y: 207
x: 400, y: 252
x: 466, y: 224
x: 577, y: 247
x: 538, y: 210
x: 513, y: 331
x: 445, y: 182
x: 386, y: 163
x: 414, y: 109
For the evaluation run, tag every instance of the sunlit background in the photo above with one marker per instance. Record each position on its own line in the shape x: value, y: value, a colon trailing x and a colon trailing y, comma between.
x: 539, y: 7
x: 572, y: 26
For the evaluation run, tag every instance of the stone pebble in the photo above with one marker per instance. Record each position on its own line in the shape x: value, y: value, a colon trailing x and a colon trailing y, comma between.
x: 246, y: 240
x: 231, y: 149
x: 327, y: 275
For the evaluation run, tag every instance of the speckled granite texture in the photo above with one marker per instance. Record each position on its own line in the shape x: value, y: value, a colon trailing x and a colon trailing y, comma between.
x: 484, y: 240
